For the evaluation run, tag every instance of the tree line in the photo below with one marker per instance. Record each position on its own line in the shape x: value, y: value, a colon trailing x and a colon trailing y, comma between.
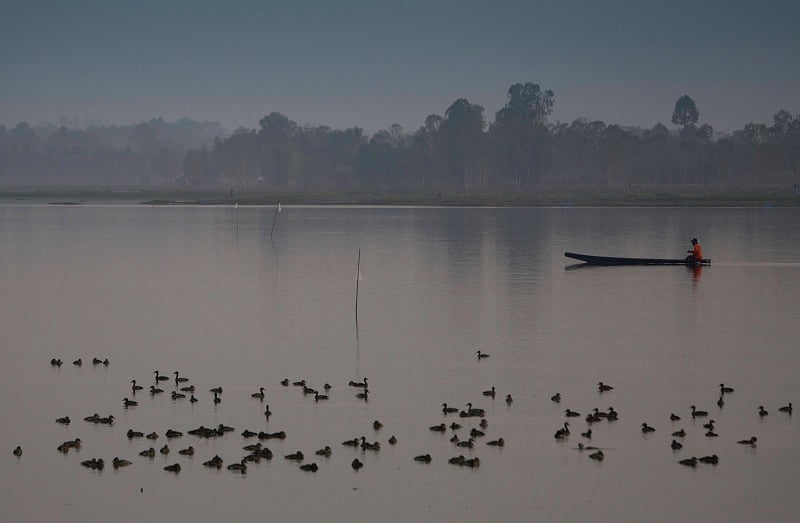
x: 521, y: 150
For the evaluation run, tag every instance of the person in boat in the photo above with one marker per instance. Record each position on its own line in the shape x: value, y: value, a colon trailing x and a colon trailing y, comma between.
x: 696, y: 254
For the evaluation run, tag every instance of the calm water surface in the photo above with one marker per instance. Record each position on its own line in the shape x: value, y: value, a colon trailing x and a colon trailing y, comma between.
x: 183, y: 289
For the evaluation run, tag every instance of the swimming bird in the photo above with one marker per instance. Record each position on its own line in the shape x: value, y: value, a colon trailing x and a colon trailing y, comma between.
x: 679, y: 434
x: 761, y: 411
x: 164, y: 450
x: 787, y: 408
x: 78, y: 362
x: 674, y: 417
x: 458, y: 460
x: 189, y: 388
x: 215, y: 462
x: 309, y: 467
x: 751, y: 441
x: 106, y: 362
x: 129, y: 403
x: 500, y: 442
x: 377, y: 425
x: 189, y: 451
x: 179, y: 379
x: 192, y: 399
x: 135, y: 387
x: 117, y: 462
x: 155, y: 390
x: 366, y: 445
x: 93, y: 418
x: 285, y: 382
x: 509, y: 399
x: 562, y: 433
x: 647, y: 428
x: 324, y: 452
x: 134, y: 434
x: 482, y: 355
x: 351, y: 442
x: 676, y: 445
x: 423, y: 458
x: 475, y: 411
x: 259, y: 394
x: 158, y: 376
x: 149, y: 453
x: 483, y: 424
x: 724, y: 390
x: 475, y: 433
x: 327, y: 386
x: 267, y: 412
x: 173, y: 434
x: 597, y: 456
x: 602, y: 387
x: 152, y: 435
x: 691, y: 462
x: 356, y: 464
x: 455, y: 426
x: 64, y: 421
x: 556, y: 397
x: 490, y: 392
x: 297, y: 456
x: 587, y: 434
x: 177, y: 395
x: 18, y: 451
x: 698, y: 413
x: 711, y: 460
x: 709, y: 425
x: 448, y: 410
x: 720, y: 402
x: 96, y: 361
x: 363, y: 395
x: 612, y: 414
x: 571, y: 413
x: 56, y: 362
x: 320, y: 397
x: 240, y: 467
x: 248, y: 433
x: 217, y: 399
x: 711, y: 434
x: 439, y: 428
x: 392, y: 440
x: 359, y: 384
x: 173, y: 468
x: 301, y: 383
x: 216, y: 390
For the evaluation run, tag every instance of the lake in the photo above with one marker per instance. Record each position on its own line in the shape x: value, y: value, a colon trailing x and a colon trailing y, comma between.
x: 220, y: 296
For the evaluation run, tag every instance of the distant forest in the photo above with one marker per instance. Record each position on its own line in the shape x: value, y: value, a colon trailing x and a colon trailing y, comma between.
x: 521, y: 150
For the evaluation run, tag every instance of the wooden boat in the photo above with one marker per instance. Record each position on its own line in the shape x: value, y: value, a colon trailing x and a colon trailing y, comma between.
x: 610, y: 260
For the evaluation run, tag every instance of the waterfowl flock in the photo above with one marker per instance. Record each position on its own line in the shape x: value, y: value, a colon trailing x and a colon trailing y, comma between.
x: 470, y: 439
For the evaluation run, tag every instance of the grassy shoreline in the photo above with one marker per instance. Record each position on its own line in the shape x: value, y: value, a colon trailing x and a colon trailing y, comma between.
x: 645, y: 197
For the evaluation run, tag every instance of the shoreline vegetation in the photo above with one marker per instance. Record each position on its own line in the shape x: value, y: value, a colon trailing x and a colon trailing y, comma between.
x: 547, y: 197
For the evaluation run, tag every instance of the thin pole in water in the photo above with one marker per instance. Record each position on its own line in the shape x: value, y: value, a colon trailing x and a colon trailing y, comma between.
x: 358, y: 275
x: 236, y: 206
x: 274, y: 220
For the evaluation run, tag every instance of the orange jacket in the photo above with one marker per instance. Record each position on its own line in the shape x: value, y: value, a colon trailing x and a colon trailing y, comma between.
x: 697, y: 252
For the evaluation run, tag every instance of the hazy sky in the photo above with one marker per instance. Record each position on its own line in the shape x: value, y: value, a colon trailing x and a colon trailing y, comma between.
x: 374, y: 63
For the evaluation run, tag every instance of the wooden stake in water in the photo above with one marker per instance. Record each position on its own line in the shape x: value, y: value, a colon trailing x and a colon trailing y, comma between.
x: 358, y: 277
x: 274, y: 220
x: 236, y: 206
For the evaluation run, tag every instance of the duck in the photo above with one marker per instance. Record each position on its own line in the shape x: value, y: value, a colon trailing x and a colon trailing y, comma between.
x: 587, y: 434
x: 562, y: 433
x: 106, y: 362
x: 216, y: 390
x: 189, y: 388
x: 324, y: 452
x: 285, y: 382
x: 454, y: 439
x: 217, y: 399
x: 164, y: 450
x: 483, y: 424
x: 173, y: 434
x: 215, y: 462
x: 134, y: 434
x: 556, y: 397
x: 366, y: 445
x: 135, y: 387
x: 78, y: 362
x: 612, y: 414
x: 297, y: 456
x: 500, y: 442
x: 647, y: 428
x: 155, y: 390
x: 179, y: 379
x: 93, y: 418
x: 177, y: 395
x: 129, y: 403
x: 468, y: 444
x: 64, y: 421
x: 267, y: 412
x: 173, y: 468
x: 320, y: 397
x: 698, y: 413
x: 724, y: 390
x: 597, y: 456
x: 509, y: 399
x: 438, y: 428
x: 475, y: 411
x: 359, y: 384
x: 710, y: 460
x: 679, y: 434
x: 602, y: 387
x: 363, y: 395
x: 309, y: 390
x: 571, y: 413
x: 787, y: 408
x: 448, y: 410
x: 17, y: 451
x: 327, y: 386
x: 94, y: 463
x: 253, y: 448
x: 691, y: 462
x: 455, y: 426
x: 423, y: 458
x: 676, y: 445
x: 248, y: 433
x: 189, y: 451
x: 56, y: 362
x: 192, y: 399
x: 301, y: 383
x: 482, y: 355
x: 720, y: 402
x: 152, y: 435
x: 761, y: 411
x: 351, y: 442
x: 149, y: 453
x: 117, y: 462
x: 96, y: 361
x: 475, y: 433
x: 674, y: 417
x: 377, y: 425
x: 711, y: 434
x: 709, y: 425
x: 458, y: 460
x: 751, y: 441
x: 356, y: 464
x: 309, y: 467
x: 159, y: 377
x: 108, y: 420
x: 392, y: 440
x: 490, y: 392
x: 240, y: 467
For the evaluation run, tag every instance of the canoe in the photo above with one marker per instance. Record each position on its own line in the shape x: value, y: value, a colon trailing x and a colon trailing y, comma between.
x: 610, y: 260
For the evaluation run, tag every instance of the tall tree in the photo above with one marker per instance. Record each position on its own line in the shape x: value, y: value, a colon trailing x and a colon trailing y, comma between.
x: 685, y: 113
